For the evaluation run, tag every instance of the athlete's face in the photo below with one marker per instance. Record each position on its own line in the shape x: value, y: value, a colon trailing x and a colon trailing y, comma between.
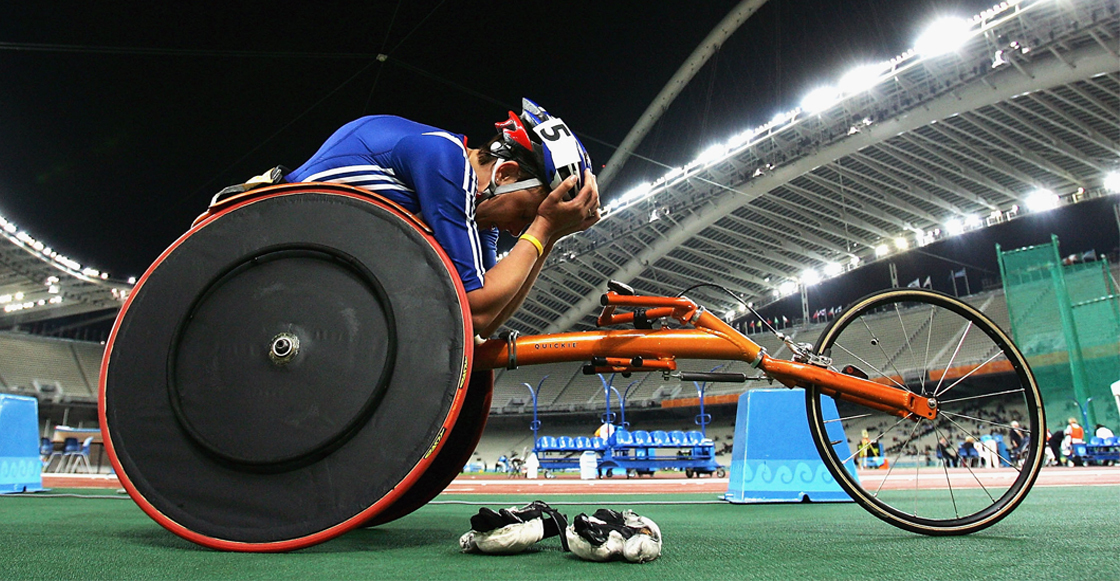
x: 512, y: 212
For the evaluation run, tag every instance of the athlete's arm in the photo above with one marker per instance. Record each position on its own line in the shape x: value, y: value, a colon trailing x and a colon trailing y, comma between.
x: 509, y: 282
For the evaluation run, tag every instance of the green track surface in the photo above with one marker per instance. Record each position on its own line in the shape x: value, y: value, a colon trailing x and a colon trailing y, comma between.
x: 1057, y: 533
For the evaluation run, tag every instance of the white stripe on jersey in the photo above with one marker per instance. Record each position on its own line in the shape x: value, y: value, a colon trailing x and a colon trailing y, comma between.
x: 450, y: 138
x: 349, y: 169
x: 386, y: 182
x: 376, y: 187
x: 469, y: 184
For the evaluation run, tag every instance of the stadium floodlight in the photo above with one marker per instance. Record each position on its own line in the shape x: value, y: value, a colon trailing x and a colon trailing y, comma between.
x: 901, y: 243
x: 820, y: 99
x: 1112, y: 182
x: 787, y: 288
x: 954, y: 226
x: 1042, y: 200
x: 783, y: 118
x: 972, y: 221
x: 833, y: 269
x: 741, y: 139
x: 810, y: 277
x: 635, y: 194
x: 854, y: 262
x: 711, y: 155
x: 882, y: 250
x: 860, y: 79
x: 945, y: 35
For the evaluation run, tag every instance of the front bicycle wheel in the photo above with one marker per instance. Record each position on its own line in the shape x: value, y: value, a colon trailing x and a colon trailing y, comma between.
x: 902, y: 469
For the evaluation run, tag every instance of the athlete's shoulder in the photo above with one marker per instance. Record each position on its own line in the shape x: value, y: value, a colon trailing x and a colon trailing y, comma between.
x: 432, y: 142
x: 386, y: 125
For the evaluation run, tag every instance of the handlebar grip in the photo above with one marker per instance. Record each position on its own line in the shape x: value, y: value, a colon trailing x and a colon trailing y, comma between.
x: 714, y: 377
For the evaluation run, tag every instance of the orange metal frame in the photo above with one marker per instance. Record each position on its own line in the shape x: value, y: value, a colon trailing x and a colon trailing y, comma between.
x: 705, y: 336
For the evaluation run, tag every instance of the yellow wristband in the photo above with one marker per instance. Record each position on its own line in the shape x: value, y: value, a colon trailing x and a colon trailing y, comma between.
x: 536, y: 243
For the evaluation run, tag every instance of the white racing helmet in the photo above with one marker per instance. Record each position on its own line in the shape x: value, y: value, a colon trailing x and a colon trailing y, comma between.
x: 545, y: 148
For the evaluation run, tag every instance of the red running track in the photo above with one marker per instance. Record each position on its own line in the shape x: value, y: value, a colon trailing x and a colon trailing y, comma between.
x: 674, y: 484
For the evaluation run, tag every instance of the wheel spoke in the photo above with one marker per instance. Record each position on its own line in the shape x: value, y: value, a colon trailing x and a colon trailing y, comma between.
x: 945, y: 467
x: 986, y: 395
x: 872, y: 367
x: 855, y: 417
x: 877, y: 438
x: 949, y: 365
x: 886, y: 357
x: 969, y: 468
x: 906, y: 338
x: 929, y: 342
x: 895, y: 461
x: 968, y: 417
x: 1001, y: 457
x: 965, y: 376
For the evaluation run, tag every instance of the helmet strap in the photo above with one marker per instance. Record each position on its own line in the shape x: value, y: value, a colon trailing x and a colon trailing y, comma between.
x: 495, y: 190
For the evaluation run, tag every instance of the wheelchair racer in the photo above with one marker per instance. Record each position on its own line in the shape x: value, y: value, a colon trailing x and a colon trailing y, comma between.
x: 533, y: 180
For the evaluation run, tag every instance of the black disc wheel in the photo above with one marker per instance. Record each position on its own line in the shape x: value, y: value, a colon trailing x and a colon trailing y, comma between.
x: 909, y: 471
x: 289, y: 369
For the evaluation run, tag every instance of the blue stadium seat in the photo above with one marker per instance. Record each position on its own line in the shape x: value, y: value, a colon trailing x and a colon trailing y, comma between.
x: 641, y: 438
x: 623, y: 438
x: 1095, y: 441
x: 598, y: 443
x: 693, y: 437
x: 583, y: 443
x: 659, y: 438
x: 565, y: 443
x: 677, y: 438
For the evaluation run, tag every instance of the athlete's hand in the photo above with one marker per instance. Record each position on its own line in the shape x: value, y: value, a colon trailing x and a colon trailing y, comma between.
x: 576, y: 215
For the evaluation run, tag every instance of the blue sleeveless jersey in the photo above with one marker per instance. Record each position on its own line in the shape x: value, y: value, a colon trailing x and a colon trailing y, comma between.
x: 423, y: 169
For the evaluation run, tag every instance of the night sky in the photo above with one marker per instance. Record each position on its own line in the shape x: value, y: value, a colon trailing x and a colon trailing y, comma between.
x: 119, y: 120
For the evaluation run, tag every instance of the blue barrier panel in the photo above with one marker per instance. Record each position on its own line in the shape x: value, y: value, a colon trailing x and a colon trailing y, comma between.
x: 21, y: 469
x: 773, y: 457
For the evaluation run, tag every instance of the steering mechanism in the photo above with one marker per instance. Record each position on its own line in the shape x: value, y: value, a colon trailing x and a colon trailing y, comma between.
x: 803, y: 352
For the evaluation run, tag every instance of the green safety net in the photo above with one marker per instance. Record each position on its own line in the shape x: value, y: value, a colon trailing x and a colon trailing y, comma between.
x: 1065, y: 318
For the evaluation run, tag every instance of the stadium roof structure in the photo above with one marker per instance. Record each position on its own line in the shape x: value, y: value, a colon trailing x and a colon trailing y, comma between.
x: 37, y: 283
x: 899, y: 154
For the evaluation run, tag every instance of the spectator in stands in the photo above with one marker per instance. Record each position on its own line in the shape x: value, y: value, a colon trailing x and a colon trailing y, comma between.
x: 1055, y: 446
x: 969, y: 455
x: 1015, y: 438
x: 1074, y: 432
x: 1103, y: 432
x: 868, y: 451
x: 946, y: 453
x: 533, y: 179
x: 1019, y: 441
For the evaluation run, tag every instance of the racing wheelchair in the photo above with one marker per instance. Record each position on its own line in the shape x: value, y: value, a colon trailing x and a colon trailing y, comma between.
x: 301, y: 362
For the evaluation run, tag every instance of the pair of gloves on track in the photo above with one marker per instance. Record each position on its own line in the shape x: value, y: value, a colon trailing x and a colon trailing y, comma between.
x: 603, y: 536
